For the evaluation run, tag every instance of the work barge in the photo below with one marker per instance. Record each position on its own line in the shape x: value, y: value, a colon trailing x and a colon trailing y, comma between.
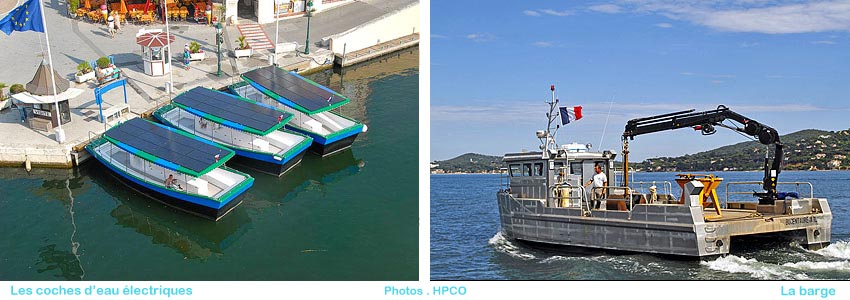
x: 544, y: 199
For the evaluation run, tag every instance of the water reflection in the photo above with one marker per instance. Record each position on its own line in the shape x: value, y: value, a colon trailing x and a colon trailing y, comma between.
x: 192, y: 237
x: 50, y: 259
x: 312, y: 175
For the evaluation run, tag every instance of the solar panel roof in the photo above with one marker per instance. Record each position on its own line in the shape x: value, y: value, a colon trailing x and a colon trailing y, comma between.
x: 310, y: 96
x: 262, y: 119
x: 167, y: 147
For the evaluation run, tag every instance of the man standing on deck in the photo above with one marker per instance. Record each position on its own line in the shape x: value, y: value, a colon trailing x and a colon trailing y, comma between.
x: 599, y: 181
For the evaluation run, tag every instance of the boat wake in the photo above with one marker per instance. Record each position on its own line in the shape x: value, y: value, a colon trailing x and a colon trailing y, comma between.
x: 753, y: 267
x: 820, y: 265
x: 839, y: 249
x: 504, y: 245
x: 763, y: 270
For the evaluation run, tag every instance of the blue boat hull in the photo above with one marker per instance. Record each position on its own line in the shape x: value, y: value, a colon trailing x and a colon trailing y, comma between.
x: 194, y: 205
x: 324, y: 147
x: 266, y: 163
x: 263, y: 162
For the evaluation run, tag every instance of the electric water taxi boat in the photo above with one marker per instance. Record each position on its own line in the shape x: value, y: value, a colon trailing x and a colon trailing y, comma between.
x: 311, y: 103
x: 251, y: 129
x: 546, y: 201
x: 172, y: 167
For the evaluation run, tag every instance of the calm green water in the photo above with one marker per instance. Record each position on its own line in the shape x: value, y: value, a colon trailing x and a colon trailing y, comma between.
x: 352, y: 216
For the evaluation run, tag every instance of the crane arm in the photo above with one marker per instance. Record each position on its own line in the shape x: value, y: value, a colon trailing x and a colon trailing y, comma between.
x: 706, y: 122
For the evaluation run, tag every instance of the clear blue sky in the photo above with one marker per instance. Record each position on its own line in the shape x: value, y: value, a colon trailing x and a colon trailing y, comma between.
x: 783, y: 63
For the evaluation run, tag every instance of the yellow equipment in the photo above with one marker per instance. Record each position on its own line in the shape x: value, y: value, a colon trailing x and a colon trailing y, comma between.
x: 708, y: 194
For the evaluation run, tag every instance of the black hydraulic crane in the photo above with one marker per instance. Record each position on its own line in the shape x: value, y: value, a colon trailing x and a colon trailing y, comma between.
x: 706, y: 121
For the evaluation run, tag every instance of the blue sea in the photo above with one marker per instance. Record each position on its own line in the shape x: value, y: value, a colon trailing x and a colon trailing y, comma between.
x: 466, y: 242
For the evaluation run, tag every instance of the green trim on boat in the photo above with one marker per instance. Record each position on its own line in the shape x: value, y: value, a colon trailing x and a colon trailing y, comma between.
x: 248, y: 178
x: 271, y: 94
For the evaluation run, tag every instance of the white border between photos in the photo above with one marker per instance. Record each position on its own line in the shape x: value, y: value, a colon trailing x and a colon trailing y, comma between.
x: 424, y: 141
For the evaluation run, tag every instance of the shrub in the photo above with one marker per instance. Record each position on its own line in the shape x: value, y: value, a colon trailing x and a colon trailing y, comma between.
x: 83, y: 68
x: 242, y: 43
x: 2, y: 94
x: 103, y: 62
x: 74, y: 5
x: 194, y: 47
x: 16, y: 88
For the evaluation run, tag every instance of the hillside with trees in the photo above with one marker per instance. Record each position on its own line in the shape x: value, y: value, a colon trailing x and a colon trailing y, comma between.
x: 804, y: 150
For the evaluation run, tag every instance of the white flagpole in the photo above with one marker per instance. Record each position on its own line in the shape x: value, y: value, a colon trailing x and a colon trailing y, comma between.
x: 60, y: 134
x: 168, y: 39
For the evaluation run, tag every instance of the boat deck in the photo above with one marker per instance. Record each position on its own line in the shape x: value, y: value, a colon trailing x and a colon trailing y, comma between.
x: 277, y: 142
x: 323, y: 123
x: 156, y: 176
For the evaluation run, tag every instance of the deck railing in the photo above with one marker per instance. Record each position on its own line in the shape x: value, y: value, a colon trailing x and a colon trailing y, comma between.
x: 796, y: 184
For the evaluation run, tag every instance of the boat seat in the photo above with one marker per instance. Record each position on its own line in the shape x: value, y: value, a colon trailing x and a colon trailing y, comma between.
x: 220, y: 179
x: 331, y: 123
x: 314, y: 126
x: 261, y: 145
x: 198, y: 186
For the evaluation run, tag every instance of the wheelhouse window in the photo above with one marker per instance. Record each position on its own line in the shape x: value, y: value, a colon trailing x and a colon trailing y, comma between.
x: 526, y: 169
x: 558, y: 166
x: 575, y: 168
x: 538, y: 169
x: 514, y: 170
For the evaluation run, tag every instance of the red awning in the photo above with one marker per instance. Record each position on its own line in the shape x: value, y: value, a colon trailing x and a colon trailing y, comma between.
x: 154, y: 39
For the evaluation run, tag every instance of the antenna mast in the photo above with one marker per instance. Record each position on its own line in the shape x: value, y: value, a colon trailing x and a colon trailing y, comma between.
x: 547, y: 138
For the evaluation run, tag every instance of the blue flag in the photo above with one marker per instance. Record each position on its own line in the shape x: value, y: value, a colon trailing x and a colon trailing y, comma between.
x: 22, y: 18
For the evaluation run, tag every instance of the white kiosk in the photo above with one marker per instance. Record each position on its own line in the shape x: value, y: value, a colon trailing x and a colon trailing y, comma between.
x: 155, y: 56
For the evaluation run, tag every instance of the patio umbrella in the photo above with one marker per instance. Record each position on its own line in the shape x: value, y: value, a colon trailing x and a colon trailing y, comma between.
x: 87, y: 5
x: 123, y: 9
x: 154, y: 39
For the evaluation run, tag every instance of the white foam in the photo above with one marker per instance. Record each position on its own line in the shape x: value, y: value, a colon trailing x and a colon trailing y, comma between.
x: 555, y: 258
x: 820, y: 265
x: 839, y: 249
x: 756, y: 269
x: 504, y: 245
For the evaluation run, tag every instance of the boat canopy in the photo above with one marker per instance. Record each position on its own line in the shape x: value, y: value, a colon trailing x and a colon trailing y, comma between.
x: 168, y: 147
x: 294, y: 90
x: 232, y: 111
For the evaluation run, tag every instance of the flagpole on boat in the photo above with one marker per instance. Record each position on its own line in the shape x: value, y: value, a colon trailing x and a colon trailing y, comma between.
x: 60, y: 134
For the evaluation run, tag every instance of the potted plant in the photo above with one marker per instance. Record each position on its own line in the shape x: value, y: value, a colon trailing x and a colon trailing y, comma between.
x: 243, y: 50
x: 84, y: 72
x: 4, y: 100
x: 73, y: 5
x: 103, y: 62
x: 106, y: 71
x: 195, y: 51
x: 16, y: 88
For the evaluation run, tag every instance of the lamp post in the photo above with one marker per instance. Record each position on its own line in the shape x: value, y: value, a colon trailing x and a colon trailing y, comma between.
x: 309, y: 15
x: 276, y: 21
x: 218, y: 43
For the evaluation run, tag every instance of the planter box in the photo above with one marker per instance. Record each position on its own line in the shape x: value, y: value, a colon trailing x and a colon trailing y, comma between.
x: 83, y: 78
x: 243, y: 53
x: 197, y: 56
x: 5, y: 103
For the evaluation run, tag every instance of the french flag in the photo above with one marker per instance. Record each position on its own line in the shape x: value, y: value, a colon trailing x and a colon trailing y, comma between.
x: 570, y: 114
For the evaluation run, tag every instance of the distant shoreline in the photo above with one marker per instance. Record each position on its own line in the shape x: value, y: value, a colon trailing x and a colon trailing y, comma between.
x: 751, y: 171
